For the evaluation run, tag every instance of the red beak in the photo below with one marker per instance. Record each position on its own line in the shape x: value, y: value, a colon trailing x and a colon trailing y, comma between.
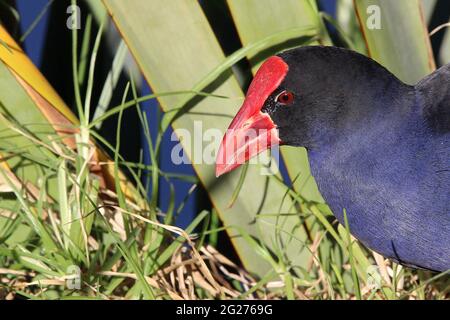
x: 252, y: 131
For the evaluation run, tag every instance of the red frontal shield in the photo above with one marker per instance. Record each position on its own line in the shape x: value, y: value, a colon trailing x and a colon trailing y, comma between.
x: 252, y: 131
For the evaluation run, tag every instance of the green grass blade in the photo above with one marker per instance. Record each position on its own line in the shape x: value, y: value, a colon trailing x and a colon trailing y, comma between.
x: 111, y: 82
x: 64, y: 210
x: 352, y: 261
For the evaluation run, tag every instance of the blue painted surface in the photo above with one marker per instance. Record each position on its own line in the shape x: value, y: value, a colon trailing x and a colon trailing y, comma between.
x: 181, y: 188
x: 28, y: 11
x: 329, y: 6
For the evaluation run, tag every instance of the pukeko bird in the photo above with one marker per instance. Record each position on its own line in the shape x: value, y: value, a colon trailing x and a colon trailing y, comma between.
x: 378, y: 148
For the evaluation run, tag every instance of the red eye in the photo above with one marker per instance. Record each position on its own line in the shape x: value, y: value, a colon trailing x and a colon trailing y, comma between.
x: 285, y: 97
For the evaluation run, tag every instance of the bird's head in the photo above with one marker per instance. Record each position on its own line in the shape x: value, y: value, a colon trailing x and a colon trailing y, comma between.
x: 306, y: 97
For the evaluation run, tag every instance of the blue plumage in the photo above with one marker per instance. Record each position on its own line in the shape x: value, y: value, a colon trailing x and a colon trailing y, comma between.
x: 377, y: 147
